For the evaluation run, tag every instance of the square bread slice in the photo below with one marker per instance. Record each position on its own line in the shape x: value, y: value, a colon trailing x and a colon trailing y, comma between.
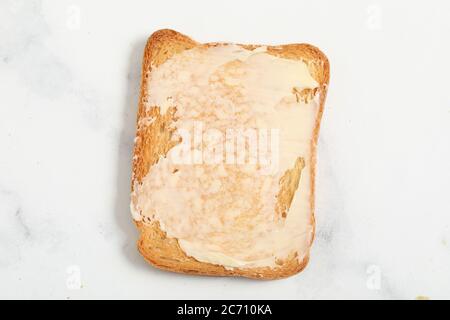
x: 225, y: 154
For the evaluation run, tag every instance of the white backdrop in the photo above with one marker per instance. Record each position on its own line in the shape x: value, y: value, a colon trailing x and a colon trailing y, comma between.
x: 69, y: 80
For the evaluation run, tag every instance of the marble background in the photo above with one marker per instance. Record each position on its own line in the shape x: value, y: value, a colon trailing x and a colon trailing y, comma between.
x: 69, y: 80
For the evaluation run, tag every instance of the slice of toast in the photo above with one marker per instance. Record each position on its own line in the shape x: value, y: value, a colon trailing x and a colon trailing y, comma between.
x: 227, y: 219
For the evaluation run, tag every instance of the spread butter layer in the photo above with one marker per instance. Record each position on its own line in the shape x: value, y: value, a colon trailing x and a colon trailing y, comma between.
x: 242, y: 126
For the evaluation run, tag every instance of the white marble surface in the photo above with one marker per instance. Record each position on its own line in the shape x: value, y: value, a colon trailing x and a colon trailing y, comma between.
x: 69, y: 77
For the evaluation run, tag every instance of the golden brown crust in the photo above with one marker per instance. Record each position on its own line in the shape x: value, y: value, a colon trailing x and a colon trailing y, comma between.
x: 152, y: 141
x: 156, y: 140
x: 165, y: 253
x: 288, y: 186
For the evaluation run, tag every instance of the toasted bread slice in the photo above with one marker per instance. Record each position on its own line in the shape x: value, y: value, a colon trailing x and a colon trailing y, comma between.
x: 202, y: 236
